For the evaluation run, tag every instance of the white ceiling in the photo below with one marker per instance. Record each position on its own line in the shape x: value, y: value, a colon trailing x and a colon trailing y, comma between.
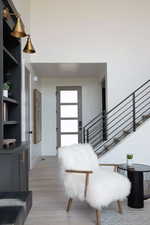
x: 69, y: 69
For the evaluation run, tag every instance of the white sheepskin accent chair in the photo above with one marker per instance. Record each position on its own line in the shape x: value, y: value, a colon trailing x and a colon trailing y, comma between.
x: 85, y: 180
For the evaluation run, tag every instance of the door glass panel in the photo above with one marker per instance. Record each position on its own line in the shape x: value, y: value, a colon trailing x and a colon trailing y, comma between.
x: 69, y: 125
x: 68, y: 111
x: 68, y: 96
x: 69, y: 139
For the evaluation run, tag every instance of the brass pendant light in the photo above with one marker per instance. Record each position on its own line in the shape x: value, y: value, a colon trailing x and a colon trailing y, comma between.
x: 18, y: 30
x: 29, y: 46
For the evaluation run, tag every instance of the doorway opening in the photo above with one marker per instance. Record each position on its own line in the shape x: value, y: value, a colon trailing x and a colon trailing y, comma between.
x: 69, y: 115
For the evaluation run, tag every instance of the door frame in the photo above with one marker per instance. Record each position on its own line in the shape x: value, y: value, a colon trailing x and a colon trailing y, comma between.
x: 58, y: 89
x: 27, y: 81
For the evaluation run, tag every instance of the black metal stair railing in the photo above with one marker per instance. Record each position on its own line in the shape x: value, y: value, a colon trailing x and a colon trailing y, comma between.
x: 108, y: 128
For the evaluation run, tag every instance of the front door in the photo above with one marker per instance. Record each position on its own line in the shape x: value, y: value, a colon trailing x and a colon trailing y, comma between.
x: 69, y: 115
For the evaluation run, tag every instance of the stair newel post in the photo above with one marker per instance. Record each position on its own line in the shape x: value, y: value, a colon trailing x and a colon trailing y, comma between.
x: 87, y: 135
x: 84, y: 135
x: 134, y: 116
x: 104, y: 126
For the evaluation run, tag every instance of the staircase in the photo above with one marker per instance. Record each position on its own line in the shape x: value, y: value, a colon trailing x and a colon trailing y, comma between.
x: 108, y: 129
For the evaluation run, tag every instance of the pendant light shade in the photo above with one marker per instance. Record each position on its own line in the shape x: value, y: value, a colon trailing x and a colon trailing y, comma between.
x: 18, y: 30
x: 29, y: 46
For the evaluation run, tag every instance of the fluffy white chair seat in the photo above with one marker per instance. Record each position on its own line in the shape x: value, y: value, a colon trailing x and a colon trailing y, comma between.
x: 104, y: 186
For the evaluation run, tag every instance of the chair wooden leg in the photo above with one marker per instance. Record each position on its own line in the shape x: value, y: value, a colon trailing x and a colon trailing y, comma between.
x: 98, y: 219
x: 119, y: 204
x: 69, y: 204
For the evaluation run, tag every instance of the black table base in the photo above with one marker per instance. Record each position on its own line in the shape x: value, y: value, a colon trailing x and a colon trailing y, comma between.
x: 136, y: 177
x: 136, y: 197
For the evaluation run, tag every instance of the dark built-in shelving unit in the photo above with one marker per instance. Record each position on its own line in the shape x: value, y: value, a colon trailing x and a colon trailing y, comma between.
x: 14, y: 155
x: 10, y: 71
x: 14, y: 158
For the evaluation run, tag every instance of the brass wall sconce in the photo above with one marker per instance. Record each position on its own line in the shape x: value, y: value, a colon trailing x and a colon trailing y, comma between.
x: 19, y: 31
x: 29, y: 46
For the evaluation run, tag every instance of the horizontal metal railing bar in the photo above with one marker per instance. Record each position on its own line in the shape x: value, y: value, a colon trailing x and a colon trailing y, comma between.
x: 129, y: 102
x: 119, y: 109
x: 102, y: 115
x: 120, y: 125
x: 142, y: 113
x: 95, y: 123
x: 97, y: 143
x: 128, y: 96
x: 127, y: 119
x: 100, y: 139
x: 142, y: 102
x: 68, y: 118
x: 61, y: 104
x: 93, y: 133
x: 91, y: 140
x: 98, y: 132
x: 128, y: 113
x: 99, y: 124
x: 121, y: 130
x: 120, y: 120
x: 142, y: 97
x: 96, y: 117
x: 68, y: 133
x: 118, y: 115
x: 142, y: 91
x: 142, y: 108
x: 125, y: 111
x: 114, y: 136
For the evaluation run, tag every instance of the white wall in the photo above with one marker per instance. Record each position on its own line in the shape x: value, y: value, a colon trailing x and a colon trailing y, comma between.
x: 136, y: 143
x: 91, y: 106
x: 116, y: 32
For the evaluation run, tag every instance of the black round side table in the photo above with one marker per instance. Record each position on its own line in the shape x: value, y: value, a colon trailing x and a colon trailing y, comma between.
x: 135, y: 175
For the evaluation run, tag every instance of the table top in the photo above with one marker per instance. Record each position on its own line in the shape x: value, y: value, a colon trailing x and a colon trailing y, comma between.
x: 135, y: 167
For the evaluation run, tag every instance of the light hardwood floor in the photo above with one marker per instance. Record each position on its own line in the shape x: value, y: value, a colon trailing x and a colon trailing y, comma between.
x: 49, y: 203
x: 49, y: 200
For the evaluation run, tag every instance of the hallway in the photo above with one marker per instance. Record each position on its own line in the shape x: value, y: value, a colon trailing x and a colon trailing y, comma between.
x: 49, y: 202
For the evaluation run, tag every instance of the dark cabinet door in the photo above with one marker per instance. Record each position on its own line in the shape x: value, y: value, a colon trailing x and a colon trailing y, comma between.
x: 14, y: 171
x: 9, y: 172
x: 23, y: 161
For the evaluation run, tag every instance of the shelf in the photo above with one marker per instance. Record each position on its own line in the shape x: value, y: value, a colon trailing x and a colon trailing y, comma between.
x: 10, y: 100
x: 10, y: 122
x: 9, y: 57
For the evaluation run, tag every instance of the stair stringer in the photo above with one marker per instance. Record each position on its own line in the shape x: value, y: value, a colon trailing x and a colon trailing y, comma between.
x: 137, y: 143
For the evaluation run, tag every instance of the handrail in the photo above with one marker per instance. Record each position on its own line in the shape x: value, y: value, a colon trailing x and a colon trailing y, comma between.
x: 93, y: 120
x: 128, y: 96
x: 98, y: 131
x: 117, y: 104
x: 118, y: 132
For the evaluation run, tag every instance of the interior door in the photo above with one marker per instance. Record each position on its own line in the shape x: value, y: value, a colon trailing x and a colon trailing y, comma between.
x: 69, y: 115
